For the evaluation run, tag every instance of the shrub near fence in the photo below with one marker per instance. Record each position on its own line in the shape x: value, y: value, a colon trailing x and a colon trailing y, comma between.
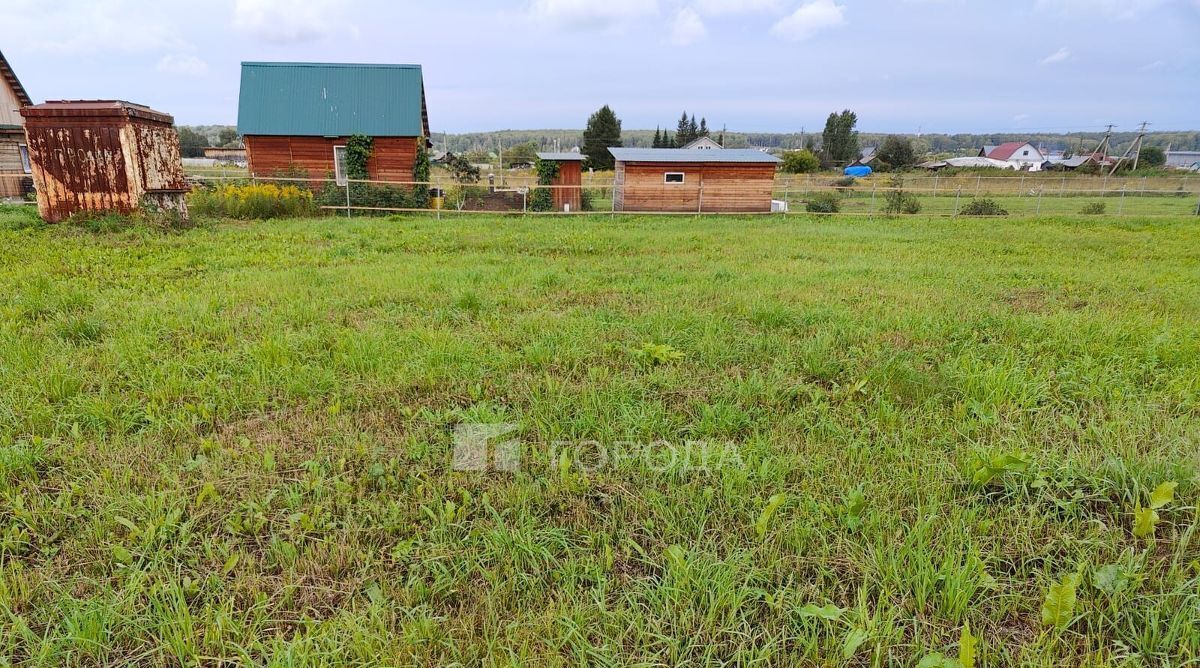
x: 258, y: 200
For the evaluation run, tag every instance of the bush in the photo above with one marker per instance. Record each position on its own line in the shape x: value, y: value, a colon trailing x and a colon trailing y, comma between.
x: 800, y: 162
x: 983, y: 207
x: 824, y: 203
x: 897, y: 201
x: 258, y: 201
x: 844, y: 183
x: 1093, y: 208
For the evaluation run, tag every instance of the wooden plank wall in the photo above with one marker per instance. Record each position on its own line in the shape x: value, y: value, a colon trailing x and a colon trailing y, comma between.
x: 736, y: 188
x: 392, y: 158
x: 11, y: 169
x: 570, y: 173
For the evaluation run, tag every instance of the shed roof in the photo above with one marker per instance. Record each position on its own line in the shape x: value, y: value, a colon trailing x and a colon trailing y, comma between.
x: 739, y: 155
x: 332, y: 100
x: 560, y: 157
x: 94, y: 108
x: 7, y: 74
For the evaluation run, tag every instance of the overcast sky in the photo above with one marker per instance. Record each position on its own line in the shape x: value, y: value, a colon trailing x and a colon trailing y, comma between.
x: 768, y: 65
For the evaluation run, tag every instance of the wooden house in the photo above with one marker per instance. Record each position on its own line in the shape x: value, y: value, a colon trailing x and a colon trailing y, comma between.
x: 568, y: 185
x: 103, y: 155
x: 15, y: 169
x: 689, y: 180
x: 297, y: 117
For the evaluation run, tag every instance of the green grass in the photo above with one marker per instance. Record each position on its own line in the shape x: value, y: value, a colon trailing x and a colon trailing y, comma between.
x: 233, y: 443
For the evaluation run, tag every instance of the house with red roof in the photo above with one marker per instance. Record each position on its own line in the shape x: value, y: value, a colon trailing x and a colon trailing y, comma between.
x: 1020, y: 155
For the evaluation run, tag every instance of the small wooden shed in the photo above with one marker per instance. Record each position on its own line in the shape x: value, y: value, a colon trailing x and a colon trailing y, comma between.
x: 298, y: 117
x: 687, y: 180
x: 103, y: 155
x: 568, y: 190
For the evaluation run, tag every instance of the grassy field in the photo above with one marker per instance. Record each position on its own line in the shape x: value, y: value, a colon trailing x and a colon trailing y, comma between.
x: 758, y: 441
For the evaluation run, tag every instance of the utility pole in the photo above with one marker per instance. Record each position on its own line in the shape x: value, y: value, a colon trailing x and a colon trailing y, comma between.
x: 1135, y: 148
x: 1102, y: 148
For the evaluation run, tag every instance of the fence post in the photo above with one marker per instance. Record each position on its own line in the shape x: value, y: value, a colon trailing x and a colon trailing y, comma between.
x: 1121, y: 206
x: 935, y: 184
x: 524, y: 202
x: 1198, y: 206
x: 957, y: 197
x: 873, y: 184
x: 1062, y: 186
x: 1039, y: 204
x: 807, y: 184
x: 978, y: 178
x: 347, y: 198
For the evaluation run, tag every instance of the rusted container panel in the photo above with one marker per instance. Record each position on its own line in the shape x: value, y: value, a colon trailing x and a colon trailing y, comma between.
x: 103, y: 156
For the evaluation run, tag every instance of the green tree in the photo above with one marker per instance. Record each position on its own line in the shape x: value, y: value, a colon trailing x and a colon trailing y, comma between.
x: 1152, y: 156
x: 683, y: 131
x: 693, y: 129
x: 800, y: 162
x: 657, y: 138
x: 839, y: 141
x: 896, y: 152
x: 603, y: 131
x: 668, y: 141
x: 521, y: 153
x: 191, y: 143
x: 703, y: 127
x: 227, y: 136
x: 461, y: 169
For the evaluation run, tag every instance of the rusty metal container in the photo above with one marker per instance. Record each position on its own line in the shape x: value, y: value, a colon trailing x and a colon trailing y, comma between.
x: 103, y: 155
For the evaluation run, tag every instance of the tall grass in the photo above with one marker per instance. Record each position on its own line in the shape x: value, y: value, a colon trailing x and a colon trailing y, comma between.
x: 252, y: 201
x: 232, y: 444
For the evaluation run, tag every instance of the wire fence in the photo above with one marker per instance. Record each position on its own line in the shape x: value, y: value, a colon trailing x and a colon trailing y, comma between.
x: 925, y: 196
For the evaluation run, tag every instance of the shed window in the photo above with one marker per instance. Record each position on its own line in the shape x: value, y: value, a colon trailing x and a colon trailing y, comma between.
x: 673, y: 177
x: 25, y: 158
x: 339, y: 164
x: 1025, y: 152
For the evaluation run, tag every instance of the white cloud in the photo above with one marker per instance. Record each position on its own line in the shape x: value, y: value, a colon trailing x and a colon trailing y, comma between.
x: 591, y: 14
x: 1156, y: 65
x: 1062, y: 54
x: 719, y: 7
x: 687, y: 27
x: 184, y: 64
x: 288, y: 21
x: 1110, y: 9
x: 809, y: 19
x: 69, y: 27
x: 1019, y: 118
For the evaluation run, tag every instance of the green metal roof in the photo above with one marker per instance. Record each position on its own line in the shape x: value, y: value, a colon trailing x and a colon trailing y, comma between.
x: 332, y: 100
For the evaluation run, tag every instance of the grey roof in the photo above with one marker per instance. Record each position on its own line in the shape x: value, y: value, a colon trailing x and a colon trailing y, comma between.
x: 560, y: 157
x: 743, y: 155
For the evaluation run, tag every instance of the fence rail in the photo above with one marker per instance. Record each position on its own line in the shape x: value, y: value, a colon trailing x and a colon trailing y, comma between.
x: 935, y: 197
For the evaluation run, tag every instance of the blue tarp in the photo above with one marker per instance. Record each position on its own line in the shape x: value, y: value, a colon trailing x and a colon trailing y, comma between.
x: 857, y: 170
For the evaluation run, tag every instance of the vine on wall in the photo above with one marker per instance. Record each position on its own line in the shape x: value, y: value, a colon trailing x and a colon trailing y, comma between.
x: 543, y: 198
x: 358, y: 152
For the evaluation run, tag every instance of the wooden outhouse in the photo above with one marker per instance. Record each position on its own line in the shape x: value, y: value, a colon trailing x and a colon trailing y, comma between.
x: 103, y: 155
x: 688, y: 180
x: 568, y: 185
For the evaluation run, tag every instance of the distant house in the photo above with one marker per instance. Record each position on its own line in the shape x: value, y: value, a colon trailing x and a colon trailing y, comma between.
x: 298, y: 116
x: 702, y: 143
x: 1021, y: 155
x: 865, y: 158
x: 220, y: 154
x: 685, y: 180
x: 1059, y: 163
x: 15, y: 168
x: 1189, y: 160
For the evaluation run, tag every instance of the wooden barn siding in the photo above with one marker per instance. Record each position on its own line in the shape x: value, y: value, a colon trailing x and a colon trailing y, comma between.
x: 392, y: 158
x: 728, y: 188
x: 11, y: 169
x: 570, y: 173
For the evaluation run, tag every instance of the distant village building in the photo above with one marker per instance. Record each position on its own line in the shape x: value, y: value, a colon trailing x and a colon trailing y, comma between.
x: 568, y: 193
x: 865, y: 158
x: 220, y: 154
x: 702, y: 143
x: 102, y: 156
x: 684, y: 180
x: 15, y: 168
x: 298, y: 116
x: 1022, y: 155
x: 1189, y: 160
